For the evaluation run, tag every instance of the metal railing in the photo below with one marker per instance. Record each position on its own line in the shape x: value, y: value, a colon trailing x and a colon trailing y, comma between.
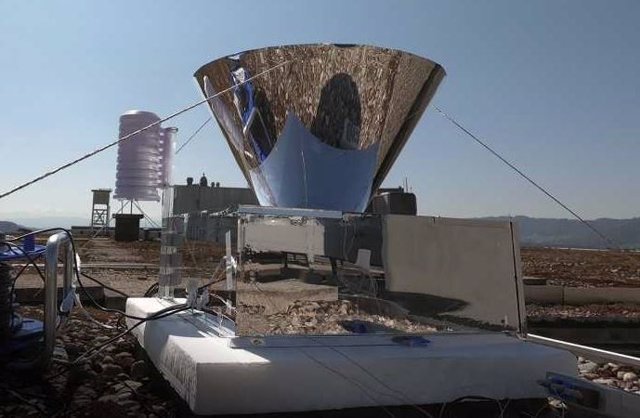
x: 54, y: 245
x: 591, y: 353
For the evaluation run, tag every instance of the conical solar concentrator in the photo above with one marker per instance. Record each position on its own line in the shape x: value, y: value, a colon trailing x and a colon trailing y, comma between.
x: 318, y: 126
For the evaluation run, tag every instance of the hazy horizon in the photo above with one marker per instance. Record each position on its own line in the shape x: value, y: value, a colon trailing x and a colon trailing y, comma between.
x: 551, y: 85
x: 68, y: 221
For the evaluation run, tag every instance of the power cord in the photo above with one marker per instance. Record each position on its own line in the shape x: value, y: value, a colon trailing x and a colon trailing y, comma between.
x: 163, y: 313
x: 121, y: 293
x: 32, y: 261
x: 77, y: 272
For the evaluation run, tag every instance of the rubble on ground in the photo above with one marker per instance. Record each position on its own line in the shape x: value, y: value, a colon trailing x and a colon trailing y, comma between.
x: 621, y: 311
x: 322, y: 317
x: 610, y: 374
x: 582, y: 268
x: 117, y: 382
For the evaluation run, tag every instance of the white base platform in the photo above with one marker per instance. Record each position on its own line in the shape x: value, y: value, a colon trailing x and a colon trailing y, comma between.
x: 240, y: 375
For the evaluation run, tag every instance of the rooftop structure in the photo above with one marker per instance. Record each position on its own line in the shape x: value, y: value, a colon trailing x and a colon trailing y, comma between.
x: 101, y: 209
x: 191, y: 198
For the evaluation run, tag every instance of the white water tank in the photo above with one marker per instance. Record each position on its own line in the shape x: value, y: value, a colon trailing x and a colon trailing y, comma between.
x: 139, y: 167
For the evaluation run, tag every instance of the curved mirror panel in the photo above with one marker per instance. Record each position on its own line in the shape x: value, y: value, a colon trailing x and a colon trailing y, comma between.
x: 346, y: 105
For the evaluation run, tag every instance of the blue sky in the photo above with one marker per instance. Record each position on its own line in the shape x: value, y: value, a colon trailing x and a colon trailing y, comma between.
x: 553, y: 85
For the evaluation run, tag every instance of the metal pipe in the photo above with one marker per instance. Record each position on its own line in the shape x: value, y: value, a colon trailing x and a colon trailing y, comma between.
x: 585, y: 351
x: 51, y: 288
x: 69, y: 263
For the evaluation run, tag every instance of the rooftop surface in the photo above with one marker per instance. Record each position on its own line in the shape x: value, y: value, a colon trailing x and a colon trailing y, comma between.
x: 120, y: 381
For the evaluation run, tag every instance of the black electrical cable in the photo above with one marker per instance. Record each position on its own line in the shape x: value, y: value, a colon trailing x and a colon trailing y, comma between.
x: 76, y: 271
x: 25, y: 254
x: 103, y: 308
x: 98, y: 305
x: 468, y: 398
x: 163, y: 313
x: 204, y: 286
x: 82, y: 287
x: 105, y: 285
x: 15, y: 279
x: 24, y: 267
x: 151, y: 290
x: 13, y: 246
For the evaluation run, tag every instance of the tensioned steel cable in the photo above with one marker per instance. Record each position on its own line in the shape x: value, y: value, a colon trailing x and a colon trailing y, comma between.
x: 147, y: 217
x: 128, y: 136
x: 197, y: 131
x: 529, y: 179
x: 99, y: 231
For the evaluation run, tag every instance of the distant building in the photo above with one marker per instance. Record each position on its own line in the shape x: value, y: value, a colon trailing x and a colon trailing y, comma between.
x: 191, y: 198
x: 202, y: 202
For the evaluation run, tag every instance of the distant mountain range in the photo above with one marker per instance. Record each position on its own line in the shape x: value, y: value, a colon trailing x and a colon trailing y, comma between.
x: 39, y: 222
x: 8, y: 227
x: 572, y: 233
x: 533, y: 231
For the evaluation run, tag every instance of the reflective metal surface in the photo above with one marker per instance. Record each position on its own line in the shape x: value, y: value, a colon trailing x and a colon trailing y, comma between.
x: 323, y: 130
x: 51, y: 307
x: 300, y: 274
